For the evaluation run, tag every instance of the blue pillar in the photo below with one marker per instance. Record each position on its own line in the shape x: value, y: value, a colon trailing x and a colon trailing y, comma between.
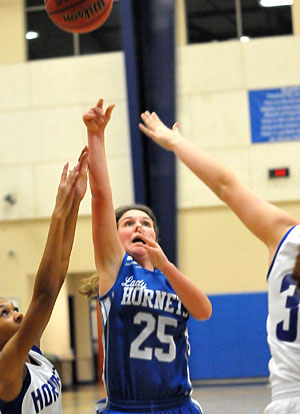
x: 148, y: 31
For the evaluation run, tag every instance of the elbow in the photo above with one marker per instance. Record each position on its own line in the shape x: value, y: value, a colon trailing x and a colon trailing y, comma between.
x: 207, y: 314
x: 204, y: 313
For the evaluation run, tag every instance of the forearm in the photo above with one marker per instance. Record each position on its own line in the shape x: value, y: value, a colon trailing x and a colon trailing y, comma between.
x: 68, y: 237
x: 196, y: 302
x: 47, y: 280
x: 98, y: 169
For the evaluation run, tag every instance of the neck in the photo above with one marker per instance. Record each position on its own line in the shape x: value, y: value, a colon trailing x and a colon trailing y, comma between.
x: 144, y: 262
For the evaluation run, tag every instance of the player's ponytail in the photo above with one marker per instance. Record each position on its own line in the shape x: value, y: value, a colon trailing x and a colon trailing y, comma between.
x: 90, y: 286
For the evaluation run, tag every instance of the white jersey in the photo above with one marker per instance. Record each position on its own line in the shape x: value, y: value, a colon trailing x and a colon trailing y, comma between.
x: 41, y: 391
x: 283, y: 324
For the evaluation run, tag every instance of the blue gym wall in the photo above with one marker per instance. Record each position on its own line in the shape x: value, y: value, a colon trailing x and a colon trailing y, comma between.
x: 233, y: 342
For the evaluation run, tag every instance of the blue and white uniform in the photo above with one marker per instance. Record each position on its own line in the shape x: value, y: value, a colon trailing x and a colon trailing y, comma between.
x: 283, y: 326
x: 41, y: 391
x: 145, y: 343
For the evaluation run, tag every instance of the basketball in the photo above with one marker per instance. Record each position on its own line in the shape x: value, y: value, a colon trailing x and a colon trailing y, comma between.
x: 78, y: 16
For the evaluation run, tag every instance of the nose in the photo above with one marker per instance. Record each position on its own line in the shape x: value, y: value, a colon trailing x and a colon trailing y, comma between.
x: 18, y: 317
x: 138, y: 224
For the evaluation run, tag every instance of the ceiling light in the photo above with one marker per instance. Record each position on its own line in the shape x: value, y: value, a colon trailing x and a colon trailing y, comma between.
x: 31, y: 35
x: 244, y: 39
x: 275, y: 3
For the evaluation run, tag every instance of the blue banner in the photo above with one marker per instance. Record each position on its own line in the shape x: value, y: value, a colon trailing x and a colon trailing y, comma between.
x: 275, y: 114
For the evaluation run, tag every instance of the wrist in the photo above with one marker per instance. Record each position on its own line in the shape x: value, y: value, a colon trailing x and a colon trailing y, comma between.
x: 176, y: 143
x: 167, y: 268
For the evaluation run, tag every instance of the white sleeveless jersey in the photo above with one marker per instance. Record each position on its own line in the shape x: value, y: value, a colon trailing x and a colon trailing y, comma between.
x: 283, y: 323
x: 41, y: 391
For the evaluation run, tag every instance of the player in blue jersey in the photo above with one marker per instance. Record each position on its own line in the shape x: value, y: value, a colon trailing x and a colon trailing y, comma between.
x: 29, y: 383
x: 280, y: 232
x: 145, y: 300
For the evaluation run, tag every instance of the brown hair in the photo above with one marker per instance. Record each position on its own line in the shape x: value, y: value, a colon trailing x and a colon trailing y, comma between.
x: 90, y: 285
x: 119, y: 212
x: 296, y: 270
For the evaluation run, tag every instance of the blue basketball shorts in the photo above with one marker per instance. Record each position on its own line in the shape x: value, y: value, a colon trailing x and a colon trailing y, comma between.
x: 182, y: 405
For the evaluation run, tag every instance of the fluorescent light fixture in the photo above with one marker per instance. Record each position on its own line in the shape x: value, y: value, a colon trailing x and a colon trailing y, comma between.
x: 275, y: 3
x: 244, y: 39
x: 31, y: 35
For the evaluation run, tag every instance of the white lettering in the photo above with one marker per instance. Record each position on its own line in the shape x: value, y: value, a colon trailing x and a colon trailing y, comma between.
x: 148, y: 295
x: 169, y: 303
x: 129, y: 281
x: 126, y: 299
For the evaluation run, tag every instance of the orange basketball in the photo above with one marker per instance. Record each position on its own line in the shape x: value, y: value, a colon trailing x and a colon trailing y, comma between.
x: 78, y: 16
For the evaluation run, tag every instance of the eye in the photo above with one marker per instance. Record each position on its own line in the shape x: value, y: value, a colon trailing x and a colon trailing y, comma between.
x: 128, y: 223
x: 4, y: 312
x: 147, y: 224
x: 16, y: 309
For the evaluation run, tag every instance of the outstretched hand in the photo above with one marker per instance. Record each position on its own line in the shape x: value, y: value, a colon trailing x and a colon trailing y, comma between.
x: 155, y: 252
x: 155, y: 129
x: 72, y: 185
x: 65, y: 193
x: 96, y: 118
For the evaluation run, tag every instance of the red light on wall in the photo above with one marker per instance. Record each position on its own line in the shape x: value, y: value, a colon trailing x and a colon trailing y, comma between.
x: 279, y: 172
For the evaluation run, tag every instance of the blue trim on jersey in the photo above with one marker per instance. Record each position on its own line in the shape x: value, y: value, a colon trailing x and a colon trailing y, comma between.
x: 36, y: 349
x: 275, y: 255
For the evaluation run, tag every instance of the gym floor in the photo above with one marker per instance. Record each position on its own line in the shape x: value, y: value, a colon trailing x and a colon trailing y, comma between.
x: 248, y: 398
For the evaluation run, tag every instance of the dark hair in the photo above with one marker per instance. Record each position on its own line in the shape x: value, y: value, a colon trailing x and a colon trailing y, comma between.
x: 122, y: 210
x: 296, y: 271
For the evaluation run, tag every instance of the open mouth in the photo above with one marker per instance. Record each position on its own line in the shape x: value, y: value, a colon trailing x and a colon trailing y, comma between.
x: 138, y: 240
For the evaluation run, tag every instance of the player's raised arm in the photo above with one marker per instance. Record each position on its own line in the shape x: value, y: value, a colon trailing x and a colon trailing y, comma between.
x: 108, y: 250
x: 20, y: 333
x: 266, y: 221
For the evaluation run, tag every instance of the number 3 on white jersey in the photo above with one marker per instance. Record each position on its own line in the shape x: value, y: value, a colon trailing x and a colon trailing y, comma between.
x: 286, y: 330
x: 136, y: 351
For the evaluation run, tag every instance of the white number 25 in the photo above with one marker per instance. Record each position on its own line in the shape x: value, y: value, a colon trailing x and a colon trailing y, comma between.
x: 136, y: 351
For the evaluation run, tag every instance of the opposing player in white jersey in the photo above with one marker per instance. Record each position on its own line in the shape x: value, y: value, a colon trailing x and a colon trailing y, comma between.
x: 29, y: 383
x: 281, y: 234
x: 145, y: 300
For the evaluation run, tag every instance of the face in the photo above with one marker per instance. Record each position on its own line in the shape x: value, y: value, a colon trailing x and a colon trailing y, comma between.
x: 128, y: 229
x: 10, y: 320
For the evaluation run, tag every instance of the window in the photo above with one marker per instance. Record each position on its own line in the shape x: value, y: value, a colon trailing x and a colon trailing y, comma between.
x: 258, y: 21
x: 45, y: 40
x: 217, y: 20
x: 209, y: 20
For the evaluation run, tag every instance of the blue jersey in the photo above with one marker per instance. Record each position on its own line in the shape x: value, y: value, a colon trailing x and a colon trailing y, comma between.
x: 145, y: 338
x: 41, y: 391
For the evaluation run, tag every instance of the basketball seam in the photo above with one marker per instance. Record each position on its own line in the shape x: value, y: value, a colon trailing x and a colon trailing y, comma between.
x: 51, y: 13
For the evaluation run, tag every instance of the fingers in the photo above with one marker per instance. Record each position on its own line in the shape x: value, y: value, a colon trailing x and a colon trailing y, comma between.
x: 73, y: 174
x: 144, y: 129
x: 150, y: 118
x: 83, y: 161
x: 148, y: 240
x: 84, y: 153
x: 89, y: 115
x: 64, y: 173
x: 175, y: 126
x: 109, y: 111
x: 100, y: 103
